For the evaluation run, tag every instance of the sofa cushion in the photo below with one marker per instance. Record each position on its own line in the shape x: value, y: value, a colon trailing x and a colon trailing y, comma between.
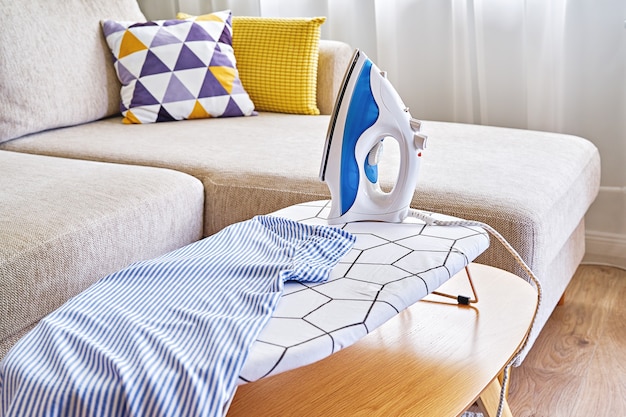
x: 66, y: 223
x: 55, y: 67
x: 177, y: 69
x: 277, y: 59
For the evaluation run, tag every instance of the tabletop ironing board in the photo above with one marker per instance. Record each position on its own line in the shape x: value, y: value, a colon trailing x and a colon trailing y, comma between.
x: 156, y: 322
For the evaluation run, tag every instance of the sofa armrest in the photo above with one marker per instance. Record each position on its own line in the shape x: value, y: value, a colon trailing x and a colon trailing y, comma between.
x: 333, y: 60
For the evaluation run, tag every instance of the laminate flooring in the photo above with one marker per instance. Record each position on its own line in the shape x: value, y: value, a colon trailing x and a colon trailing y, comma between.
x: 577, y: 366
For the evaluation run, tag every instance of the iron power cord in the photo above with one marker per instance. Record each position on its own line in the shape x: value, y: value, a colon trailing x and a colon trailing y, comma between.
x: 431, y: 221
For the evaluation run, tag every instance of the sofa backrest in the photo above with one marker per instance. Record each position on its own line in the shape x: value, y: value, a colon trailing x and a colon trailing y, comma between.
x: 55, y: 67
x: 333, y: 61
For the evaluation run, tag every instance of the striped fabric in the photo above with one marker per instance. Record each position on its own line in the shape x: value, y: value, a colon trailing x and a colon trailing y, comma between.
x: 168, y: 336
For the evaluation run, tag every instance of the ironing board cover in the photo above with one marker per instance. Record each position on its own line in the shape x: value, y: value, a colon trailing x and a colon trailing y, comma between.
x: 390, y: 267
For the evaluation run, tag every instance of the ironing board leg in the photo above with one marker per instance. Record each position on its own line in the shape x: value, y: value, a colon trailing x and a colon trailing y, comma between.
x: 490, y: 398
x: 462, y: 299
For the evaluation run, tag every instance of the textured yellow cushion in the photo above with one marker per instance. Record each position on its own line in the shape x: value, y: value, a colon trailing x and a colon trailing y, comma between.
x: 277, y: 61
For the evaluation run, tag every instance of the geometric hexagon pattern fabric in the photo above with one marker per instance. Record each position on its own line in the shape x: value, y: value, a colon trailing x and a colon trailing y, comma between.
x: 177, y: 69
x: 390, y: 267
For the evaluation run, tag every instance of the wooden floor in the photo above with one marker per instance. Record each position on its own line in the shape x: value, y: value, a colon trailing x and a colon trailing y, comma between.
x: 577, y: 366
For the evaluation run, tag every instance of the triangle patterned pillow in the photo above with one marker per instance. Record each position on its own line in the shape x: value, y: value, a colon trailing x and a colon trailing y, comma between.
x: 177, y: 69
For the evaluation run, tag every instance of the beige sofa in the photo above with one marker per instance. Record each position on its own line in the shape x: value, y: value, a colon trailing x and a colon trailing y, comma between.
x: 84, y: 195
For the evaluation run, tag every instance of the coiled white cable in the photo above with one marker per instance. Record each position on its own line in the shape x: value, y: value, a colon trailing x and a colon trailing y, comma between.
x: 431, y: 221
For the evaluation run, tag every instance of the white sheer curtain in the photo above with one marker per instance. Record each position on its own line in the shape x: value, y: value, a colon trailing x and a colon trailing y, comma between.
x: 543, y: 64
x: 555, y: 65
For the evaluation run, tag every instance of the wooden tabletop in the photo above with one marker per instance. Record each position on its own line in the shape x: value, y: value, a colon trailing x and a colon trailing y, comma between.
x: 433, y: 359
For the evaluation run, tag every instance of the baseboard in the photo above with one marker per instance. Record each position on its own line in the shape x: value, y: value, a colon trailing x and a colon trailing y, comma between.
x: 605, y: 248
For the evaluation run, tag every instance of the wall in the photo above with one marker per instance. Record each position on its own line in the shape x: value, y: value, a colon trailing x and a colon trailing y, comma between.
x: 606, y: 228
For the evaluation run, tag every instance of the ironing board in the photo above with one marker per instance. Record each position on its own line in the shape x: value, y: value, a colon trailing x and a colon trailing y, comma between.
x: 390, y: 267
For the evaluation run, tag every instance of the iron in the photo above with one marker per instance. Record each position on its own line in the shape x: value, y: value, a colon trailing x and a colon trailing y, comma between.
x: 367, y: 111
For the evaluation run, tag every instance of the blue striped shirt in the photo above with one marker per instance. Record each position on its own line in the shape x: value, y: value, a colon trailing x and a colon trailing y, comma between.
x: 168, y: 336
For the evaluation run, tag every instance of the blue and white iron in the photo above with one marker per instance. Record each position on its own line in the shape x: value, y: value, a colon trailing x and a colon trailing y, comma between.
x: 367, y: 110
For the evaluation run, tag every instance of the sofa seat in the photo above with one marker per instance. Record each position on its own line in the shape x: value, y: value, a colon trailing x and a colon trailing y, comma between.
x: 65, y: 223
x: 533, y: 187
x: 248, y: 165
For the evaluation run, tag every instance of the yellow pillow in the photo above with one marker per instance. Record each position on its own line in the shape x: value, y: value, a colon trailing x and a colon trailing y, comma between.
x: 277, y: 61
